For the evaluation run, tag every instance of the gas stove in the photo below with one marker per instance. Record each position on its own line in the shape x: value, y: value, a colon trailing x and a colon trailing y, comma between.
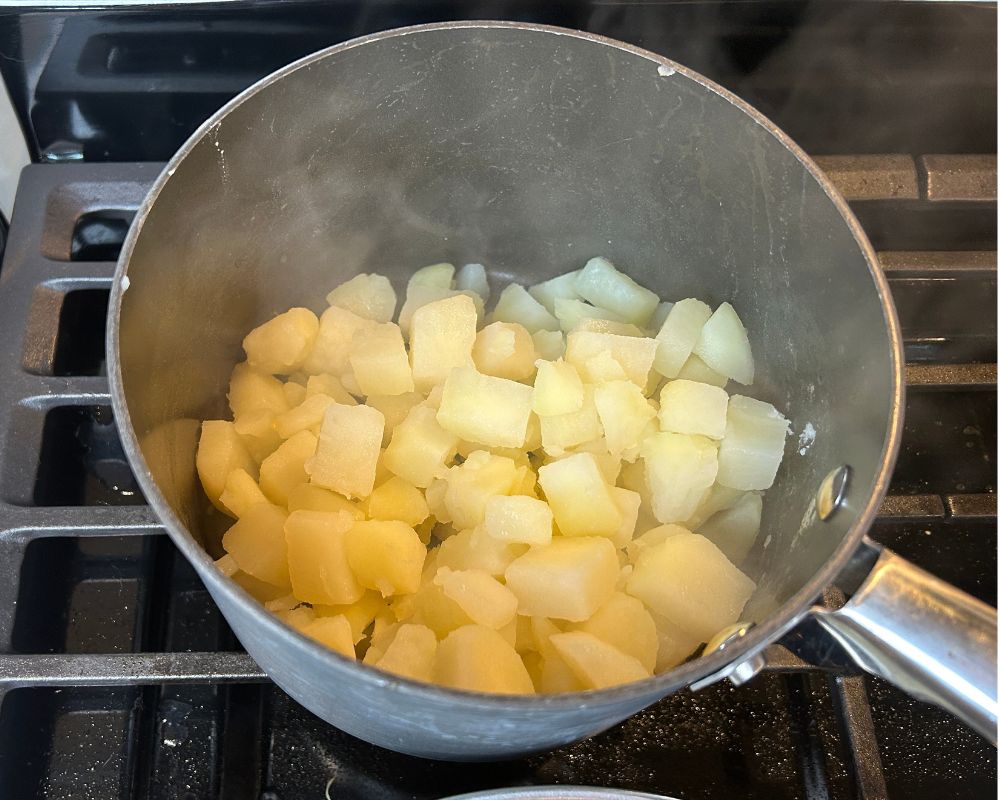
x: 118, y: 676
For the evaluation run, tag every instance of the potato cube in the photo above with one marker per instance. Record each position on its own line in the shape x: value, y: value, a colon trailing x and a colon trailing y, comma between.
x: 718, y: 498
x: 724, y: 347
x: 603, y: 285
x: 411, y: 653
x: 359, y: 614
x: 525, y: 482
x: 261, y: 591
x: 608, y: 326
x: 419, y: 296
x: 679, y: 471
x: 516, y: 305
x: 632, y: 353
x: 689, y: 407
x: 310, y: 497
x: 486, y: 601
x: 674, y: 646
x: 481, y: 408
x: 478, y: 659
x: 564, y: 431
x: 754, y: 444
x: 472, y: 277
x: 734, y: 530
x: 281, y: 344
x: 305, y: 416
x: 689, y: 581
x: 257, y: 542
x: 333, y: 632
x: 294, y: 392
x: 695, y: 369
x: 558, y: 389
x: 220, y: 451
x: 596, y: 663
x: 442, y: 334
x: 505, y: 350
x: 570, y: 578
x: 476, y: 549
x: 285, y: 468
x: 241, y: 492
x: 571, y: 313
x: 609, y: 465
x: 256, y: 430
x: 651, y: 538
x: 581, y: 502
x: 473, y: 483
x: 379, y: 361
x: 386, y: 555
x: 624, y: 413
x: 317, y: 557
x: 368, y: 295
x: 433, y: 608
x: 394, y: 408
x: 556, y: 676
x: 252, y: 390
x: 332, y: 347
x: 679, y: 335
x: 348, y: 450
x: 628, y: 503
x: 420, y: 449
x: 327, y: 384
x: 397, y: 499
x: 624, y: 622
x: 518, y: 519
x: 441, y: 276
x: 549, y: 345
x: 563, y: 286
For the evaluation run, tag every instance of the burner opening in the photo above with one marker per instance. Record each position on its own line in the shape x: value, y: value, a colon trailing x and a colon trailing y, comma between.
x: 80, y: 342
x: 99, y: 235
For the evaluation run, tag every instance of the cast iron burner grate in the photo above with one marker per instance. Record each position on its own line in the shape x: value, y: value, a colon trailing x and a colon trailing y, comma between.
x: 118, y: 677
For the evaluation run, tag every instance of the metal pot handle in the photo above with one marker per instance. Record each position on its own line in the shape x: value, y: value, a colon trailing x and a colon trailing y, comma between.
x: 930, y: 639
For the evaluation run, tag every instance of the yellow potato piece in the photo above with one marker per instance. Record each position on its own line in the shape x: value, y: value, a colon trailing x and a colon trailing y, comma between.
x: 281, y: 344
x: 334, y: 632
x: 518, y: 519
x: 317, y: 557
x: 484, y: 409
x: 442, y: 334
x: 327, y: 384
x: 595, y: 663
x: 395, y: 408
x: 478, y: 659
x: 397, y: 499
x: 624, y: 622
x: 633, y: 354
x: 220, y: 451
x: 304, y: 416
x: 411, y: 653
x: 310, y: 497
x: 241, y: 492
x: 252, y: 390
x: 359, y: 614
x: 473, y: 483
x: 420, y: 449
x: 348, y: 450
x: 379, y: 361
x: 475, y: 549
x: 486, y: 601
x: 386, y: 555
x: 505, y: 350
x: 332, y: 346
x: 285, y: 469
x: 257, y: 542
x: 581, y: 501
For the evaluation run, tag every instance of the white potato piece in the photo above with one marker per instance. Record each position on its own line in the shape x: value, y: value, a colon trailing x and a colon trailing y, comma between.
x: 480, y: 408
x: 724, y: 347
x: 472, y: 277
x: 696, y: 408
x: 379, y: 361
x: 420, y: 449
x: 659, y: 317
x: 689, y: 581
x: 734, y: 530
x: 695, y: 369
x: 386, y: 555
x: 518, y: 518
x: 624, y: 622
x: 632, y: 353
x: 348, y: 450
x: 505, y: 350
x: 561, y: 286
x: 476, y: 549
x: 422, y: 295
x: 317, y: 557
x: 410, y: 653
x: 608, y: 326
x: 440, y: 276
x: 220, y: 451
x: 330, y: 385
x: 571, y: 313
x: 624, y: 412
x: 281, y: 344
x: 549, y: 345
x: 441, y: 338
x: 570, y: 578
x: 516, y: 305
x: 304, y: 416
x: 251, y: 390
x: 679, y: 471
x: 674, y: 646
x: 486, y: 601
x: 679, y: 335
x: 596, y: 663
x: 604, y: 286
x: 628, y: 503
x: 285, y: 468
x: 718, y: 498
x: 368, y: 295
x: 558, y: 389
x: 394, y: 408
x: 754, y: 445
x: 478, y: 659
x: 651, y: 538
x: 582, y: 503
x: 241, y: 491
x: 472, y: 483
x: 332, y: 347
x: 561, y: 432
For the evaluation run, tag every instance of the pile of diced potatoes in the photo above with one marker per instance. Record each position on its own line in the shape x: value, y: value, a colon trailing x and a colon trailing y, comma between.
x: 554, y: 496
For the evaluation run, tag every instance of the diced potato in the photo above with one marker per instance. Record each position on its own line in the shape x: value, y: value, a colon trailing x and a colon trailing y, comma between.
x: 472, y: 483
x: 628, y: 503
x: 505, y: 350
x: 557, y: 677
x: 296, y: 616
x: 571, y: 313
x: 256, y: 430
x: 689, y: 407
x: 441, y: 276
x: 482, y: 597
x: 394, y: 409
x: 651, y: 538
x: 368, y: 295
x: 261, y: 591
x: 484, y: 409
x: 285, y: 468
x: 379, y: 361
x: 695, y: 369
x: 608, y: 326
x: 724, y: 347
x: 281, y: 344
x: 734, y: 530
x: 674, y: 645
x: 257, y: 542
x: 718, y: 498
x: 516, y: 305
x: 419, y: 296
x: 441, y: 338
x: 241, y: 491
x: 610, y: 465
x: 689, y: 581
x: 294, y: 393
x: 348, y: 450
x: 634, y: 354
x: 518, y: 519
x: 558, y: 389
x: 334, y: 632
x: 327, y: 384
x: 472, y: 277
x: 220, y: 451
x: 475, y: 549
x: 754, y: 445
x: 570, y: 578
x: 624, y: 413
x: 433, y: 608
x: 359, y: 614
x: 332, y: 347
x: 659, y: 317
x: 420, y: 449
x: 478, y: 659
x: 679, y: 335
x: 252, y: 390
x: 596, y: 663
x: 386, y: 555
x: 310, y: 497
x: 679, y: 471
x: 581, y: 502
x: 603, y: 285
x: 349, y: 382
x: 317, y: 557
x: 565, y: 431
x: 549, y: 345
x: 624, y: 622
x: 305, y: 416
x: 525, y: 482
x: 563, y: 286
x: 411, y: 653
x: 397, y: 499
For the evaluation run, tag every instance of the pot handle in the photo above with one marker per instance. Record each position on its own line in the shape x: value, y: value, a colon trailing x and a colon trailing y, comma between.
x: 930, y: 639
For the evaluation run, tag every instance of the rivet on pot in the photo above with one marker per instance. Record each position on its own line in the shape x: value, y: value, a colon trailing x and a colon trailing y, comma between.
x: 832, y: 492
x: 728, y: 636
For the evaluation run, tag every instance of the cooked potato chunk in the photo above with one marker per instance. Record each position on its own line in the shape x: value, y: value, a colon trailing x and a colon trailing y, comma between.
x: 478, y: 659
x: 420, y: 449
x: 724, y: 347
x: 564, y: 431
x: 411, y: 653
x: 679, y: 471
x: 332, y: 348
x: 481, y: 408
x: 563, y: 286
x: 624, y: 412
x: 596, y: 663
x: 257, y: 543
x: 397, y: 499
x: 473, y: 483
x: 368, y: 296
x: 505, y: 350
x: 476, y: 549
x: 679, y: 335
x: 603, y: 285
x: 689, y: 407
x: 241, y: 492
x: 333, y: 632
x: 624, y: 622
x: 472, y: 277
x: 526, y: 520
x: 251, y: 390
x: 581, y: 502
x: 317, y: 557
x: 220, y: 451
x: 386, y: 555
x: 281, y: 344
x: 695, y: 369
x: 572, y: 313
x: 733, y: 530
x: 558, y: 389
x: 306, y: 415
x: 752, y: 449
x: 516, y: 305
x: 379, y: 361
x: 549, y: 345
x: 633, y: 354
x: 348, y: 450
x: 482, y: 597
x: 441, y: 338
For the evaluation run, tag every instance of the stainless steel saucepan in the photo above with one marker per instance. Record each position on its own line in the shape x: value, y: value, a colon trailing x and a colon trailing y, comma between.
x: 531, y: 149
